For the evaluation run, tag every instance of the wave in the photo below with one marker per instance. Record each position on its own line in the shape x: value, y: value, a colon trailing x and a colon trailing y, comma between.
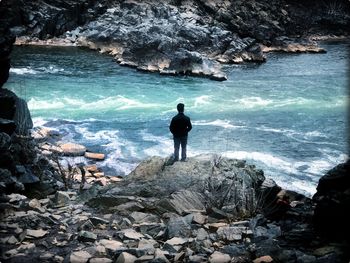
x: 201, y: 100
x: 220, y: 123
x: 252, y: 103
x: 30, y: 71
x: 35, y: 104
x: 23, y: 71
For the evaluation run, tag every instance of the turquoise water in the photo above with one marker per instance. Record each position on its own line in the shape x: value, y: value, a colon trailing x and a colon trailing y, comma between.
x: 288, y: 116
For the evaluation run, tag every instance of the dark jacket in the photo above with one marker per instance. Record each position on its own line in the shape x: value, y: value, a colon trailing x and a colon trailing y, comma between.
x: 180, y: 125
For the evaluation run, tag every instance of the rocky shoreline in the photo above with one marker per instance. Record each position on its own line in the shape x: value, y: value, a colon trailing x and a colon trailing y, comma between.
x: 180, y: 37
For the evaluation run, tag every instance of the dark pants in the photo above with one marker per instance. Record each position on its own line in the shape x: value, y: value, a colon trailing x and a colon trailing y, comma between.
x: 177, y: 142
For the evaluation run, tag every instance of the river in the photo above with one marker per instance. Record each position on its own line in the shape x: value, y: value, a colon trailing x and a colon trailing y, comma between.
x: 287, y: 116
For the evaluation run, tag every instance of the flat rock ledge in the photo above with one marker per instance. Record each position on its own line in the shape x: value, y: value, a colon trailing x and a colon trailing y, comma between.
x: 208, y: 209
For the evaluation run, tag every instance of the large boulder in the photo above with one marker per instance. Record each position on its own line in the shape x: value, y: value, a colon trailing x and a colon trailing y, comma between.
x: 331, y: 217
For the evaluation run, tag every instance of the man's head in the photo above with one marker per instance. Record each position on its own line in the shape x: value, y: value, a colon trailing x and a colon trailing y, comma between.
x: 180, y: 107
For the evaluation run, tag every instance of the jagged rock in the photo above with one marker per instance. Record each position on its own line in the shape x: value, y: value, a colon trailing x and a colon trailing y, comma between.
x: 199, y: 218
x: 218, y: 257
x: 130, y: 206
x: 61, y: 198
x: 139, y: 217
x: 22, y: 248
x: 79, y: 257
x: 110, y: 245
x: 159, y: 255
x: 44, y: 134
x: 147, y: 169
x: 30, y: 233
x: 130, y: 234
x: 178, y: 227
x: 125, y: 257
x: 201, y: 234
x: 332, y: 201
x: 96, y: 220
x: 231, y: 233
x: 5, y: 141
x: 86, y: 236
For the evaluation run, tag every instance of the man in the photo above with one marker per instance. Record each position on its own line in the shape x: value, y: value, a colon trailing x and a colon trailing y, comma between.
x: 180, y: 126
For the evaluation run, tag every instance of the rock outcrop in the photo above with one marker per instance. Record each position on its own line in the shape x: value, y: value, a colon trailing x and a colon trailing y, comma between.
x: 20, y: 163
x: 180, y: 37
x: 332, y: 200
x: 166, y: 213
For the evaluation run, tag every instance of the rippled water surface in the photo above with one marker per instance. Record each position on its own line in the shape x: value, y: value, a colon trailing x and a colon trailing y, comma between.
x: 287, y: 116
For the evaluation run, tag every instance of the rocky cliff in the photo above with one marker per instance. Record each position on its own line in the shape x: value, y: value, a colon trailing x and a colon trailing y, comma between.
x: 181, y: 37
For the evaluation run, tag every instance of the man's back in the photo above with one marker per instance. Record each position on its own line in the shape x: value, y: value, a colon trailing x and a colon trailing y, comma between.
x: 180, y: 125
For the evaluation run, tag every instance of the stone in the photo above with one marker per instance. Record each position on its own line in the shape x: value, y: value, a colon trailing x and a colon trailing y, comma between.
x: 218, y: 257
x: 94, y: 156
x: 96, y: 220
x: 139, y: 217
x: 231, y: 233
x: 110, y: 244
x: 61, y: 198
x: 160, y: 255
x: 263, y: 259
x: 79, y: 257
x: 201, y: 234
x: 86, y: 236
x: 178, y: 227
x: 30, y: 233
x: 72, y: 149
x: 147, y: 169
x: 125, y: 257
x: 130, y: 234
x: 199, y: 218
x: 100, y: 260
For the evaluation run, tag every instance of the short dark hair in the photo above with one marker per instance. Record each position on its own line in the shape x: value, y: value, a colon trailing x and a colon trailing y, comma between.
x: 180, y: 107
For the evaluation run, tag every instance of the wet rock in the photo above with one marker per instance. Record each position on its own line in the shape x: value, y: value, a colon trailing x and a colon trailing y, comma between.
x: 94, y: 156
x: 72, y: 149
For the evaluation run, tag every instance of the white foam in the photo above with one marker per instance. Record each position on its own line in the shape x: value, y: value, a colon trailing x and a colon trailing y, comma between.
x: 23, y: 71
x: 308, y: 188
x: 266, y: 158
x: 201, y: 100
x: 164, y: 146
x: 220, y: 123
x: 37, y: 122
x: 52, y: 69
x: 35, y: 104
x: 252, y: 102
x: 118, y: 103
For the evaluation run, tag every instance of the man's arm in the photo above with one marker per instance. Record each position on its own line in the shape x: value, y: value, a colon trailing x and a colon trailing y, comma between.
x: 171, y: 127
x: 189, y: 125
